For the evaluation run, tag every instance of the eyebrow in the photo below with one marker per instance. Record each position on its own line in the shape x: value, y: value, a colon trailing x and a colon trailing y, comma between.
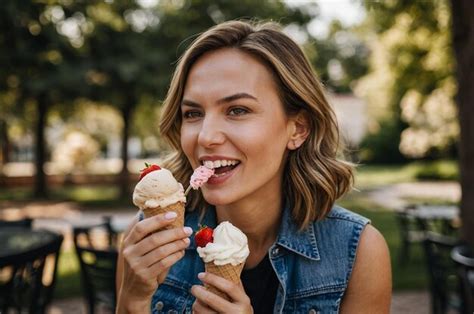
x: 227, y: 99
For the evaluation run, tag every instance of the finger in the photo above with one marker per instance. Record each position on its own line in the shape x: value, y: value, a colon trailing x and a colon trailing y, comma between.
x: 165, y: 263
x: 161, y: 238
x: 199, y: 308
x: 233, y: 290
x: 149, y: 225
x: 164, y: 251
x: 212, y: 300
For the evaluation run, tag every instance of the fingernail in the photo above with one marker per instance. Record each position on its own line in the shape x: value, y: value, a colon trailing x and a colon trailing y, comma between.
x: 170, y: 215
x: 201, y: 275
x: 188, y: 230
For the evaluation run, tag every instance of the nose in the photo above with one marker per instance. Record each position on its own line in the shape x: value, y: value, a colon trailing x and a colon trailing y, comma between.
x: 211, y: 132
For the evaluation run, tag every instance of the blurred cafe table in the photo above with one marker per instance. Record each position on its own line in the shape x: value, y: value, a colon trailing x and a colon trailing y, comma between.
x: 437, y: 218
x: 15, y: 242
x: 447, y: 212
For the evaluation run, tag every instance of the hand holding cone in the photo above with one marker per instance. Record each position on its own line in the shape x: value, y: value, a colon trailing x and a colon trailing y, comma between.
x: 224, y: 252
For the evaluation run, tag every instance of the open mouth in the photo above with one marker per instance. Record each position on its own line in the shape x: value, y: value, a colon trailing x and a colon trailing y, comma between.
x: 221, y: 167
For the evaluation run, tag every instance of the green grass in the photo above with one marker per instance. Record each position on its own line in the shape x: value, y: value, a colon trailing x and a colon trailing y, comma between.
x: 368, y: 176
x: 68, y: 282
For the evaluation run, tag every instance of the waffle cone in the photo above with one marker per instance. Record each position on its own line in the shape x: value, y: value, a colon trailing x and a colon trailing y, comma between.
x: 227, y: 271
x: 178, y: 208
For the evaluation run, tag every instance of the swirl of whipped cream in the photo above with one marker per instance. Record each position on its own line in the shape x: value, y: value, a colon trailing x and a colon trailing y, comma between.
x: 158, y: 189
x: 230, y: 246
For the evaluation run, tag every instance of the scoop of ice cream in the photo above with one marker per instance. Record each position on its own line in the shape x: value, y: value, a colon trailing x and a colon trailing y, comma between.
x: 158, y: 188
x: 200, y: 176
x: 230, y: 246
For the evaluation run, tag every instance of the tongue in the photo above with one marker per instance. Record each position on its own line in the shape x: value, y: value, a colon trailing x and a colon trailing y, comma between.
x: 223, y: 169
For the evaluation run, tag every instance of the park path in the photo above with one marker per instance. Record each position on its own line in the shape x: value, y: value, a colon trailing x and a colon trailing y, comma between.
x: 61, y: 216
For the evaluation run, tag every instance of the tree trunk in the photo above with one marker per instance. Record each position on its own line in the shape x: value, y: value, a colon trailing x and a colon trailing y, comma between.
x: 127, y: 111
x: 463, y: 42
x: 41, y: 190
x: 5, y: 143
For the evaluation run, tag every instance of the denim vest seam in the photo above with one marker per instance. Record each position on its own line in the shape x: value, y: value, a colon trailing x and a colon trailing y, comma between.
x: 317, y: 291
x: 181, y: 285
x: 355, y: 239
x: 353, y: 217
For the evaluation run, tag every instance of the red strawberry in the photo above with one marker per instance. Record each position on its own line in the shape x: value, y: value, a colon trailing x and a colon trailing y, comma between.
x: 203, y: 236
x: 148, y: 168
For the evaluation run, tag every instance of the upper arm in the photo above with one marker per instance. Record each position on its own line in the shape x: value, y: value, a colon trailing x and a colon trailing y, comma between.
x: 370, y: 286
x: 120, y: 262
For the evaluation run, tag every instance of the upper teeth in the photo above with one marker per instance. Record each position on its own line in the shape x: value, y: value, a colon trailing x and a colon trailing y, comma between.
x: 219, y: 163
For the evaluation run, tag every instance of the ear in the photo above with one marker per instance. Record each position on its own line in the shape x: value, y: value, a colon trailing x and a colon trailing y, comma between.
x: 298, y: 130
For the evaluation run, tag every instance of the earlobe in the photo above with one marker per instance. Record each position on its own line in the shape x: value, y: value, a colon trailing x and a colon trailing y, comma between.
x: 299, y: 131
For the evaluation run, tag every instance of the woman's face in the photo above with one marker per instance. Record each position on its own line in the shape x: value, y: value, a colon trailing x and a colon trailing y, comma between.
x: 232, y: 116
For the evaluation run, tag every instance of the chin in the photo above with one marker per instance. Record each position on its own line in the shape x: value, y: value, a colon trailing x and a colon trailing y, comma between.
x: 217, y: 200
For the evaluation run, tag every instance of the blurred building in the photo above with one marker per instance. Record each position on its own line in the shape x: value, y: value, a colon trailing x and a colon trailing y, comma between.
x: 351, y: 113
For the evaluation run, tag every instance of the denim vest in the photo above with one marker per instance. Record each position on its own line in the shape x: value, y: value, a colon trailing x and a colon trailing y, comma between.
x: 313, y: 266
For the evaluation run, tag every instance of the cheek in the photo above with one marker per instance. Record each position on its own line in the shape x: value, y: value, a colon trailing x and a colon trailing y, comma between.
x: 266, y: 141
x: 187, y: 142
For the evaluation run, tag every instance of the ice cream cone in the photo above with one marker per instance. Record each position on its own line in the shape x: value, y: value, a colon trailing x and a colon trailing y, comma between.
x: 178, y: 208
x: 227, y: 271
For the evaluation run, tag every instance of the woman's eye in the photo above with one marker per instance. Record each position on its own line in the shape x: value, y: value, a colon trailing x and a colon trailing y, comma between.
x: 238, y: 111
x: 192, y: 114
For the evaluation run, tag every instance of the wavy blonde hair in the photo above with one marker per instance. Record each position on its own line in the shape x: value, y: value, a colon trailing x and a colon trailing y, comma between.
x: 314, y: 177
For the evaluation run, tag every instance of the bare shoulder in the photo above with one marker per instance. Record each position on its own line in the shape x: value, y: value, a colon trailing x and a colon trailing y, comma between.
x: 370, y: 285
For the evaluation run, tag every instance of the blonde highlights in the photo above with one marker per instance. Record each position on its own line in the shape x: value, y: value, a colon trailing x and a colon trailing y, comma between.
x: 314, y: 177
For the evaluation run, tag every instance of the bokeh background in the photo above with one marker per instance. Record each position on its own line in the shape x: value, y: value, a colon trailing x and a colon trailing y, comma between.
x: 82, y: 82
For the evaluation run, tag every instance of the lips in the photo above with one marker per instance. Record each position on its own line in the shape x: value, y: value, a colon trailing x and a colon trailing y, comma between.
x: 223, y: 167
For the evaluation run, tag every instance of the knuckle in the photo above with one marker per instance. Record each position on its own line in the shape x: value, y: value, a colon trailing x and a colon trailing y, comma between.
x: 162, y: 264
x: 155, y: 240
x: 160, y: 252
x: 127, y: 254
x: 139, y: 228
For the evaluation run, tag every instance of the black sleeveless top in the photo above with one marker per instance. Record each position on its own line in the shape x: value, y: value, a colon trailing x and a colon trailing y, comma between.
x: 261, y: 284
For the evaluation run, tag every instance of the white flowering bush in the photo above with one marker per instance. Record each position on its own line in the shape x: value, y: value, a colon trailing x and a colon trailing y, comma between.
x: 432, y: 120
x: 74, y: 152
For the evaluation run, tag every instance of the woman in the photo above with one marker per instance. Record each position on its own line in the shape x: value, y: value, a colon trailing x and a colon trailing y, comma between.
x: 246, y: 93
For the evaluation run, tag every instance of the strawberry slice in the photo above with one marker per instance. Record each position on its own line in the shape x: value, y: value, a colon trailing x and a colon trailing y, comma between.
x: 148, y: 168
x: 204, y: 236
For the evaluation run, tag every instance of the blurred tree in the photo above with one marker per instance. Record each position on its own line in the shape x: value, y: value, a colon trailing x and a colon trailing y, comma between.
x: 463, y: 39
x: 411, y: 81
x: 340, y: 58
x: 114, y: 52
x: 38, y: 67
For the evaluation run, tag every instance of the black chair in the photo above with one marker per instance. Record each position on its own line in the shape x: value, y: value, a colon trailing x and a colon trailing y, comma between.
x: 96, y: 248
x: 25, y: 223
x: 409, y: 233
x: 438, y: 225
x: 444, y: 286
x: 25, y: 286
x: 464, y: 259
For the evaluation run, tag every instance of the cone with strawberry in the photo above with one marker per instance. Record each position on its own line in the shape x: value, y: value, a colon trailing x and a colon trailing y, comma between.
x: 157, y: 191
x: 224, y: 251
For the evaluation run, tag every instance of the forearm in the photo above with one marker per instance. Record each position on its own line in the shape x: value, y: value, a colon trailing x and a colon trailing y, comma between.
x: 128, y: 306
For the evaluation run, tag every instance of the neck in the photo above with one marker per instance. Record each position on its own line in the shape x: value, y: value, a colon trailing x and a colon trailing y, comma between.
x: 259, y: 220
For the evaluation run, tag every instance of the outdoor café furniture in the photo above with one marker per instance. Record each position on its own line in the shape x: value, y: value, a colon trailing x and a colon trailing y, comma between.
x: 28, y: 263
x: 444, y: 285
x: 96, y: 248
x: 441, y: 219
x: 25, y: 222
x: 464, y: 260
x: 409, y: 233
